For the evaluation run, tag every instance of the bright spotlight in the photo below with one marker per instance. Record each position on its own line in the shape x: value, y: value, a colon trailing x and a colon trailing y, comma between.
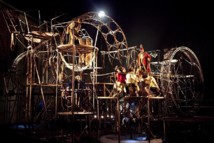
x: 101, y: 14
x: 102, y: 117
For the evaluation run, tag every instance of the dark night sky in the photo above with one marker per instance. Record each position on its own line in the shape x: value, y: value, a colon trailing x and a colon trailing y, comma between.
x: 158, y: 24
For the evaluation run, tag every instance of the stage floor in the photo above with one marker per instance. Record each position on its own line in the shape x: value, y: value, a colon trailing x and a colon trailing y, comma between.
x: 113, y: 138
x: 178, y: 130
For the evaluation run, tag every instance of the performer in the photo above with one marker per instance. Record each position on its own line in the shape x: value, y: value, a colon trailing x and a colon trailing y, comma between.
x: 151, y: 86
x: 80, y: 93
x: 66, y: 96
x: 73, y: 29
x: 120, y: 79
x: 132, y: 82
x: 144, y: 59
x: 89, y: 55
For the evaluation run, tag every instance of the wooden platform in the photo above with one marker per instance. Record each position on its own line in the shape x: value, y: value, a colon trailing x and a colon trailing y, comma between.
x: 79, y: 48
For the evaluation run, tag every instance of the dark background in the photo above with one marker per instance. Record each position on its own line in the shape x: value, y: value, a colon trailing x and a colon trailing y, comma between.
x: 158, y: 24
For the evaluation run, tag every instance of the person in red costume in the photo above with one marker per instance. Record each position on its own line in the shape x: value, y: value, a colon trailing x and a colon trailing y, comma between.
x: 120, y: 76
x: 143, y: 60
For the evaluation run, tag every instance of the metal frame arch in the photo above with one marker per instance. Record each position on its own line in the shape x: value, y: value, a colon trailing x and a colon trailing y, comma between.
x: 110, y: 31
x: 182, y: 80
x: 188, y: 52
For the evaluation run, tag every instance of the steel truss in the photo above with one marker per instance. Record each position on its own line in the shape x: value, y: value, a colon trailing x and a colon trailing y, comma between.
x: 45, y: 68
x: 42, y: 69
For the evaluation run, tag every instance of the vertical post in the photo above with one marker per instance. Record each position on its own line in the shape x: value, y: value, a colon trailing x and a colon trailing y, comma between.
x: 98, y: 117
x: 148, y: 108
x: 57, y: 78
x: 30, y: 82
x: 72, y: 93
x: 27, y: 85
x: 39, y: 17
x: 73, y: 80
x: 28, y: 30
x: 118, y: 121
x: 148, y: 120
x: 94, y: 77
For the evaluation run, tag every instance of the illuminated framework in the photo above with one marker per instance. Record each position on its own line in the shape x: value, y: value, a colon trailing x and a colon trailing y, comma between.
x: 44, y: 61
x: 179, y: 74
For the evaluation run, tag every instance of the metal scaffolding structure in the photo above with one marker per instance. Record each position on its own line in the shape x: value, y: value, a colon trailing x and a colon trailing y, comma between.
x: 44, y: 81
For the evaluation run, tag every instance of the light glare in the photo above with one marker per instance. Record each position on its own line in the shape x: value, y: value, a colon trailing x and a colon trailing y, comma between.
x: 101, y: 14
